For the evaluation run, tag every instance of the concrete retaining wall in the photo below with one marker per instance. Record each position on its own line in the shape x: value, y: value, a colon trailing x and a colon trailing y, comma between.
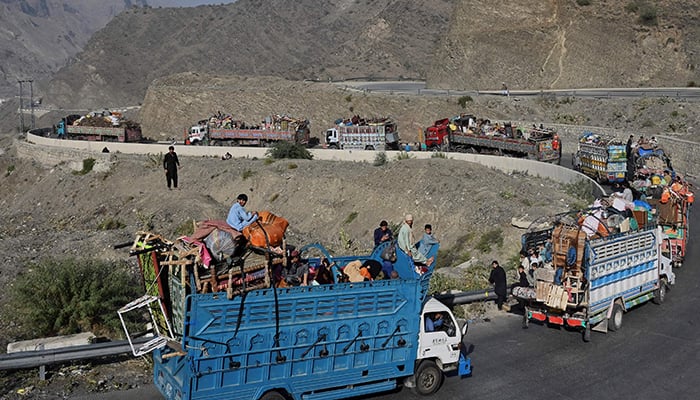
x: 54, y: 151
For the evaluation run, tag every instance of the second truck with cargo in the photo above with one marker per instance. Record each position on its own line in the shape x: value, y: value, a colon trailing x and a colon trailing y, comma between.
x: 466, y: 133
x: 241, y: 335
x: 598, y: 273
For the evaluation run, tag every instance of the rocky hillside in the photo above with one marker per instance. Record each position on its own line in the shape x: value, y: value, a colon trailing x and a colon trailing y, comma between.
x: 38, y: 37
x: 568, y: 44
x: 450, y: 43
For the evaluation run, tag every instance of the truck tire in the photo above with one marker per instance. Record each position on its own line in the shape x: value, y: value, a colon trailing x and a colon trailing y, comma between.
x: 660, y: 293
x: 587, y: 333
x: 273, y: 395
x: 615, y: 320
x: 428, y: 378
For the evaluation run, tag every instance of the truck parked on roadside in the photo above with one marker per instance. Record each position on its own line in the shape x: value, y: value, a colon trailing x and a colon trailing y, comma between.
x: 466, y: 133
x: 598, y: 273
x: 228, y: 331
x: 601, y: 157
x: 102, y: 127
x: 363, y: 134
x: 273, y: 130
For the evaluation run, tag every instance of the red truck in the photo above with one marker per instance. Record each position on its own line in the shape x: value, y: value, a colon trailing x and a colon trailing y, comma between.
x: 468, y: 134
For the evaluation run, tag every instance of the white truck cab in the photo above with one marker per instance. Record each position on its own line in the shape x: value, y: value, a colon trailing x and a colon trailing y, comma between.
x: 197, y: 134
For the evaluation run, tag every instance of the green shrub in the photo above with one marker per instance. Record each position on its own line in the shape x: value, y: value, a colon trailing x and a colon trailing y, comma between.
x: 247, y: 174
x: 691, y: 84
x: 292, y: 166
x: 289, y: 150
x: 269, y: 161
x: 647, y: 15
x: 110, y: 224
x: 490, y: 238
x: 463, y: 100
x: 455, y: 255
x: 380, y: 159
x: 583, y: 2
x: 88, y: 164
x: 403, y: 155
x: 10, y: 169
x: 185, y: 229
x: 67, y: 296
x: 351, y: 217
x: 438, y: 154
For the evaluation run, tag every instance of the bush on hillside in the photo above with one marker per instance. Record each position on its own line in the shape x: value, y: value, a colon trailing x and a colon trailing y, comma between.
x: 67, y: 296
x: 289, y: 150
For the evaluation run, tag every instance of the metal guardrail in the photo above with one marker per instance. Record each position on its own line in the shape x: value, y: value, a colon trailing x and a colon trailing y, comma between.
x: 40, y: 358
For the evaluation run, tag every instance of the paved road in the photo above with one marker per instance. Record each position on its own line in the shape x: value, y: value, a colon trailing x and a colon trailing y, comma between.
x: 418, y: 87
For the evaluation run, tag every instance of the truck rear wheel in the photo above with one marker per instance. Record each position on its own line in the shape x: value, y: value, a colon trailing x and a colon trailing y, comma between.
x: 615, y: 320
x: 660, y: 293
x: 428, y: 378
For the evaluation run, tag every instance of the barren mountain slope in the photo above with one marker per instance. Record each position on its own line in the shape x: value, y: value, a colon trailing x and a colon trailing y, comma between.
x: 459, y: 44
x: 559, y: 44
x: 37, y: 37
x: 293, y: 39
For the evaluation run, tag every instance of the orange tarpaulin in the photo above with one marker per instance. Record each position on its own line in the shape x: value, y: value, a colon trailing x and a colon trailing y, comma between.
x: 268, y: 230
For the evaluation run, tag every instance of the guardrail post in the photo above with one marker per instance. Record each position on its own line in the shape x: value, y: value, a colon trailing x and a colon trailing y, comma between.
x: 42, y: 368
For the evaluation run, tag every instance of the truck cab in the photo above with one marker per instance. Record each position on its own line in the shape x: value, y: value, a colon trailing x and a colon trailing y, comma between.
x: 197, y: 134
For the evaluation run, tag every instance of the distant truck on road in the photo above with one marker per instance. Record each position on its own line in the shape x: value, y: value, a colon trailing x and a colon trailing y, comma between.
x: 251, y: 340
x: 105, y: 127
x: 467, y: 134
x: 377, y: 134
x: 295, y: 131
x: 601, y: 157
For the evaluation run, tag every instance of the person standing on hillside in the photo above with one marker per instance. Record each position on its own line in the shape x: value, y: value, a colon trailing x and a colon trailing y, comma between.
x: 171, y: 164
x: 498, y: 279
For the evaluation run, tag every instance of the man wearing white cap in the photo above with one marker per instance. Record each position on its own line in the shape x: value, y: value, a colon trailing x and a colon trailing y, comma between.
x: 405, y: 241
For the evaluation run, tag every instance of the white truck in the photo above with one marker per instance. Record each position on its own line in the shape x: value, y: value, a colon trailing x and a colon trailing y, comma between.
x: 603, y: 277
x: 379, y: 134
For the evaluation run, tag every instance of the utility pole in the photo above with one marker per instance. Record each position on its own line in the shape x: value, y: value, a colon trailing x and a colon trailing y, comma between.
x: 21, y: 102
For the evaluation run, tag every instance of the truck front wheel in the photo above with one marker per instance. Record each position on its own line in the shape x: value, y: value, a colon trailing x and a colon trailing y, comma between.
x: 660, y: 293
x: 428, y: 378
x: 615, y: 320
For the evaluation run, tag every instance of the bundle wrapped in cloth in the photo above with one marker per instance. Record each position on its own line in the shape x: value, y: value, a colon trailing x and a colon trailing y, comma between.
x: 267, y: 231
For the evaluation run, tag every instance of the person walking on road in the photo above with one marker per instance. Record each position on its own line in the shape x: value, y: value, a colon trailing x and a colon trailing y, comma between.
x: 171, y: 164
x: 498, y: 279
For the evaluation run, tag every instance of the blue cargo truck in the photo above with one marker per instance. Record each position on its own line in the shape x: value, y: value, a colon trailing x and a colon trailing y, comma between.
x: 328, y: 341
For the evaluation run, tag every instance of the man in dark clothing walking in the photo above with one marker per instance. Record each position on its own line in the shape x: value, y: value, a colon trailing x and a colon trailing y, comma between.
x: 171, y: 164
x: 498, y: 279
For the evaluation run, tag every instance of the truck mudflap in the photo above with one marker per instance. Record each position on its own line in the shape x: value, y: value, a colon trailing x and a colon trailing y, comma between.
x: 465, y: 364
x: 556, y: 319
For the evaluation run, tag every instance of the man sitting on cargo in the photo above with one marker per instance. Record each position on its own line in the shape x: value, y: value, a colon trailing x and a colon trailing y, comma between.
x: 297, y: 272
x: 238, y: 218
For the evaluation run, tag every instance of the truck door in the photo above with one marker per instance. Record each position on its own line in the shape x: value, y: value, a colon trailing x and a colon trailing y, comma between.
x: 438, y: 335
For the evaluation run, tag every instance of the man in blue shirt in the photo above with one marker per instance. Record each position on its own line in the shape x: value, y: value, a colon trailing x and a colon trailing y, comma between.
x: 238, y: 217
x: 434, y: 322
